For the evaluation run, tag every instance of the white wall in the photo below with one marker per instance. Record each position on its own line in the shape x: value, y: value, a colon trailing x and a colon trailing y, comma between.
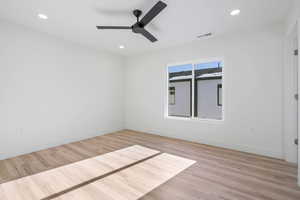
x: 252, y: 92
x: 293, y: 16
x: 54, y: 92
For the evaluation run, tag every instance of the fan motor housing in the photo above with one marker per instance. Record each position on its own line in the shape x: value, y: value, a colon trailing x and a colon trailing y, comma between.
x: 136, y: 27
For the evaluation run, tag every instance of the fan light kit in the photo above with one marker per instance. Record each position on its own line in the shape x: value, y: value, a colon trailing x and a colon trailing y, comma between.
x: 139, y: 26
x: 42, y: 16
x: 121, y: 46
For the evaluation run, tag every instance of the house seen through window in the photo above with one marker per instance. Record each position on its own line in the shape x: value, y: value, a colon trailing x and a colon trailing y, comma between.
x: 195, y: 90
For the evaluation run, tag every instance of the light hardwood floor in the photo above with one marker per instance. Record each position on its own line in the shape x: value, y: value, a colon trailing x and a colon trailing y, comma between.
x: 133, y: 182
x: 69, y: 177
x: 218, y: 173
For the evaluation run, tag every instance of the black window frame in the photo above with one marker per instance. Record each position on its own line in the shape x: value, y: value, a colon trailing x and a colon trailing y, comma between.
x: 219, y: 87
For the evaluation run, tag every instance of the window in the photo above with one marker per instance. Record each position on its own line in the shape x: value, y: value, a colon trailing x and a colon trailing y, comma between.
x: 180, y: 90
x: 195, y: 90
x: 171, y: 95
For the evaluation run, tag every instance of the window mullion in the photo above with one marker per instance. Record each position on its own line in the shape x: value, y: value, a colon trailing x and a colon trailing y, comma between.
x: 193, y: 91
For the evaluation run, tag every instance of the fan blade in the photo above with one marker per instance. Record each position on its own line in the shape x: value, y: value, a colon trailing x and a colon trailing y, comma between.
x: 148, y: 35
x: 155, y: 10
x: 114, y: 27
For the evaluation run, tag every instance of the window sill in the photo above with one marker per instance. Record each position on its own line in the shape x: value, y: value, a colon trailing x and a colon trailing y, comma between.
x: 213, y: 121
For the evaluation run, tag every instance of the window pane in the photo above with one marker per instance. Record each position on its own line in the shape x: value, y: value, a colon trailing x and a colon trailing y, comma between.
x: 180, y: 90
x: 208, y: 90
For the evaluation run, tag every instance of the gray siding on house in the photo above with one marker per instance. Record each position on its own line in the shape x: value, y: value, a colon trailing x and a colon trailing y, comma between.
x: 182, y: 104
x: 208, y: 99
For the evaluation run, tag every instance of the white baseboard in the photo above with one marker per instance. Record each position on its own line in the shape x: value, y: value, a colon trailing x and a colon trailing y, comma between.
x: 6, y: 155
x: 242, y: 148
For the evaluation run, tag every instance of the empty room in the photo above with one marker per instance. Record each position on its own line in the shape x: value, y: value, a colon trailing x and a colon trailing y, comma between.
x: 149, y: 99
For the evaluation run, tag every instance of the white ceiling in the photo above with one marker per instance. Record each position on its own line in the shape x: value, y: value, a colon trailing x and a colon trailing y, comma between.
x: 180, y: 22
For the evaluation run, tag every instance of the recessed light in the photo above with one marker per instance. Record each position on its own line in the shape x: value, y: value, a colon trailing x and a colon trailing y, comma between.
x: 121, y: 47
x: 235, y: 12
x: 42, y: 16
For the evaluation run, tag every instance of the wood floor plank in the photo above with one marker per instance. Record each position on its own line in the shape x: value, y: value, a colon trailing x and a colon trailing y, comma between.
x: 133, y: 182
x: 45, y: 184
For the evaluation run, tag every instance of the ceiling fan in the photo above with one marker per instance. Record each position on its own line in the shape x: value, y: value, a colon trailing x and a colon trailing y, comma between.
x: 139, y: 26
